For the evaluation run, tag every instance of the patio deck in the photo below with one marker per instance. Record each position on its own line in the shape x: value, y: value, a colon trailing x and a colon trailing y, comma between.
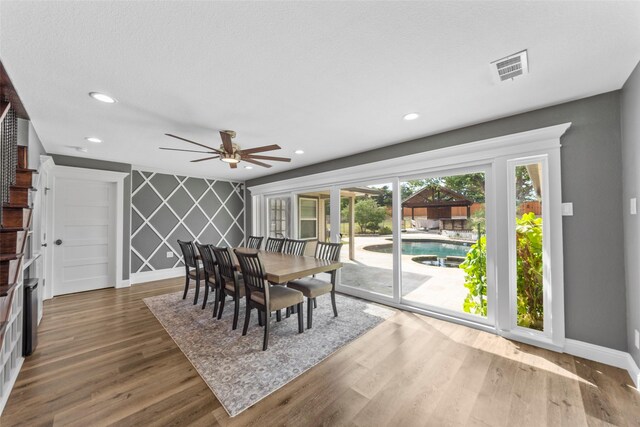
x: 373, y: 271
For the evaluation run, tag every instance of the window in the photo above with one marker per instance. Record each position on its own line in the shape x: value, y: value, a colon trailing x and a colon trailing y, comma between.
x: 308, y: 215
x: 278, y: 217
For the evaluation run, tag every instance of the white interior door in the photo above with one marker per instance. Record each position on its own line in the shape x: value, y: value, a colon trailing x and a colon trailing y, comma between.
x: 84, y: 235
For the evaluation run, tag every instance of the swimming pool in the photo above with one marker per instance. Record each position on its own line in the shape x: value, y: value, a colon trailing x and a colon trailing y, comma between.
x: 425, y: 247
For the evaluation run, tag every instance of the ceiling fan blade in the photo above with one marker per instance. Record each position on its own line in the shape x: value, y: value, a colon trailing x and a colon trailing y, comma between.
x: 206, y: 158
x: 255, y: 162
x: 188, y: 151
x: 226, y: 142
x: 193, y: 142
x: 260, y: 149
x: 233, y: 165
x: 275, y: 159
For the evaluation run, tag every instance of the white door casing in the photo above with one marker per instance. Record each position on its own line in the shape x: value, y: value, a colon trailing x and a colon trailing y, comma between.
x: 87, y: 211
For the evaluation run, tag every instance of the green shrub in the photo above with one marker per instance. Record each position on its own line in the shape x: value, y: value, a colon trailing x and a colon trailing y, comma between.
x: 529, y: 250
x: 529, y: 283
x: 475, y: 267
x: 385, y: 230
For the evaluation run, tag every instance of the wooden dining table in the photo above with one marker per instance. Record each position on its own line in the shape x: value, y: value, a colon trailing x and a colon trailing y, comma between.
x: 281, y: 268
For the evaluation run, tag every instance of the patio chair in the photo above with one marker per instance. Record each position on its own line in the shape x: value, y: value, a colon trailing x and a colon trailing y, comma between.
x: 294, y: 247
x: 230, y: 283
x: 254, y: 242
x: 192, y: 268
x: 274, y: 245
x: 264, y: 297
x: 209, y: 265
x: 312, y: 287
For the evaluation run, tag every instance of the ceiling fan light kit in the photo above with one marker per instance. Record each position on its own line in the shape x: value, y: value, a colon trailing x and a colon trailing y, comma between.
x: 230, y: 152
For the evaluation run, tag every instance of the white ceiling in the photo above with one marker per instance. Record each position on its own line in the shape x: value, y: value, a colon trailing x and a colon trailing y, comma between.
x: 331, y: 78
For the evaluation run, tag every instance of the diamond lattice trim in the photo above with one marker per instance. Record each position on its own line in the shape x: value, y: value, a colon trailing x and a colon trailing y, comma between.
x: 146, y: 178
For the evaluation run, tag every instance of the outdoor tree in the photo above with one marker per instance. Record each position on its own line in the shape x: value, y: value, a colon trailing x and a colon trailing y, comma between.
x: 470, y: 185
x: 368, y: 215
x: 384, y: 198
x: 524, y: 186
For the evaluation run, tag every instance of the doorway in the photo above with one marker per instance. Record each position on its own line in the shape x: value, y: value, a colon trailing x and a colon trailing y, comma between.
x: 85, y: 230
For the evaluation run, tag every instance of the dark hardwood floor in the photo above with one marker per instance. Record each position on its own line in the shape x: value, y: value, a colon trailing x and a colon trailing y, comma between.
x: 104, y: 359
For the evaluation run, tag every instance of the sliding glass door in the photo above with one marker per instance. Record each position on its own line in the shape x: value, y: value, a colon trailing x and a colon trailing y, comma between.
x: 366, y: 224
x: 471, y: 238
x: 444, y: 244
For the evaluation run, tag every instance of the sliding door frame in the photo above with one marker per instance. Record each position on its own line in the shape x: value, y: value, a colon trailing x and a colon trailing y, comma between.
x: 493, y: 154
x: 486, y: 169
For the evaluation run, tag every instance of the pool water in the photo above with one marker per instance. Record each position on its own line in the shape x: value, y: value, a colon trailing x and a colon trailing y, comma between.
x: 429, y: 247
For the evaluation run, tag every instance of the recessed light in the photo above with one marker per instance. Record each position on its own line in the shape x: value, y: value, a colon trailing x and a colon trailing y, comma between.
x: 299, y: 151
x: 102, y: 97
x: 82, y: 149
x: 93, y: 139
x: 411, y: 116
x: 248, y: 167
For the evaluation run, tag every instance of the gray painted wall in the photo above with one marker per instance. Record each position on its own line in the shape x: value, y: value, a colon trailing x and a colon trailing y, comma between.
x: 595, y: 307
x: 81, y: 162
x: 166, y: 208
x: 630, y: 125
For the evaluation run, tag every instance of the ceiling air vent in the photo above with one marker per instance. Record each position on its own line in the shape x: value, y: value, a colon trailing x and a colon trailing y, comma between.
x: 510, y: 67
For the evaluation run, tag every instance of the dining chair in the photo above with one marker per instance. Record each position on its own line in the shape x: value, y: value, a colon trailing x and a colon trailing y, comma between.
x: 230, y: 283
x: 294, y: 247
x: 254, y: 242
x: 274, y: 245
x: 192, y: 268
x: 264, y: 297
x: 311, y: 287
x: 209, y: 266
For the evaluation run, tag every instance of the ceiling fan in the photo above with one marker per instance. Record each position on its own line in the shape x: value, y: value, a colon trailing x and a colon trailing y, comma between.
x: 230, y: 152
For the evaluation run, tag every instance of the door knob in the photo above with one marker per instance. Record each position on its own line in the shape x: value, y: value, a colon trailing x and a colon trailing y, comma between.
x: 58, y: 242
x: 44, y: 245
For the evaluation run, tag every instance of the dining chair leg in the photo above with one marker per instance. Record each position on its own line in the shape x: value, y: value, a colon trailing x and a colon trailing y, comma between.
x: 265, y: 342
x: 186, y: 287
x: 309, y: 312
x: 223, y: 296
x: 300, y: 321
x: 216, y: 296
x: 206, y: 295
x: 195, y: 299
x: 247, y: 319
x: 315, y: 303
x: 260, y: 318
x: 288, y: 312
x: 278, y: 315
x: 236, y: 312
x: 333, y: 303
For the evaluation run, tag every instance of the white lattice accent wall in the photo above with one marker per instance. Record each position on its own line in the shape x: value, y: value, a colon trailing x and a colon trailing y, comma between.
x: 165, y: 208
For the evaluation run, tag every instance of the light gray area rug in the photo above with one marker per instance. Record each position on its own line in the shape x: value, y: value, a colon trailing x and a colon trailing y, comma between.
x: 235, y: 368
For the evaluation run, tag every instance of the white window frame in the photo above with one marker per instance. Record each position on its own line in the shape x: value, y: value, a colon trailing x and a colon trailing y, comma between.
x: 300, y: 219
x: 497, y: 152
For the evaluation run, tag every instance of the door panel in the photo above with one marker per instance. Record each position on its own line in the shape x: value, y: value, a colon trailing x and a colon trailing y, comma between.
x: 85, y: 223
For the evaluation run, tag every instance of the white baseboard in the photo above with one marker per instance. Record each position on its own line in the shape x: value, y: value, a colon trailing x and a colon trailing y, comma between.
x: 122, y: 284
x: 608, y: 356
x: 634, y: 371
x: 150, y: 276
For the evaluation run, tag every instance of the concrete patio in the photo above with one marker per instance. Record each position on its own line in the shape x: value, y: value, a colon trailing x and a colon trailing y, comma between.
x: 373, y: 271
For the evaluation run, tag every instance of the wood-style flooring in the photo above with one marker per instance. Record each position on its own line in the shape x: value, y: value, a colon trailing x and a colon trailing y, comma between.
x: 104, y: 359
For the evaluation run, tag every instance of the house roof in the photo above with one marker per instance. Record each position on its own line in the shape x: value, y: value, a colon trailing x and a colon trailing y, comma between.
x: 435, y: 196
